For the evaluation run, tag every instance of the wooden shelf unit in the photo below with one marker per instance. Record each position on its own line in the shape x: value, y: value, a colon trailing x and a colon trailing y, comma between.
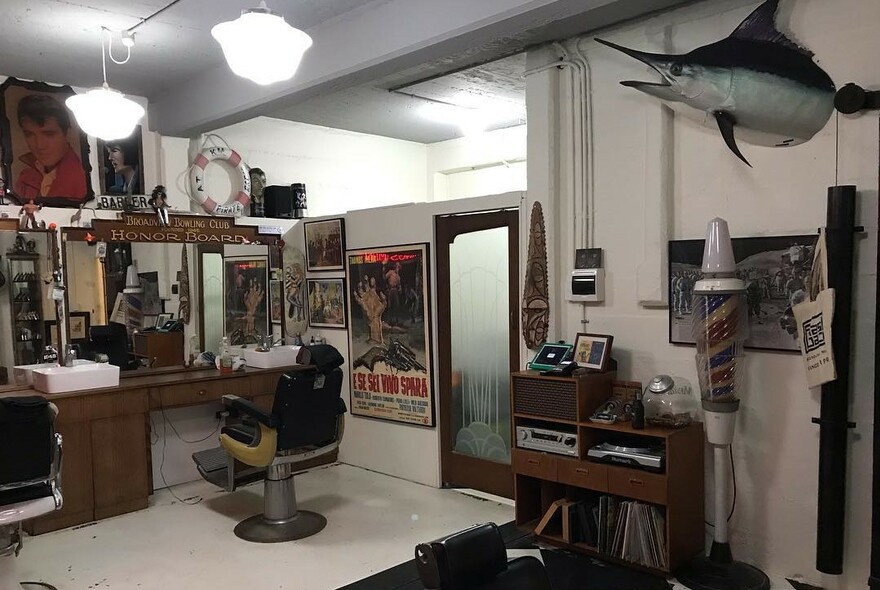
x: 542, y: 478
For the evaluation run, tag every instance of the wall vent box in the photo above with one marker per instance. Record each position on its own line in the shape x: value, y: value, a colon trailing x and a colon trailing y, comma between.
x: 587, y: 285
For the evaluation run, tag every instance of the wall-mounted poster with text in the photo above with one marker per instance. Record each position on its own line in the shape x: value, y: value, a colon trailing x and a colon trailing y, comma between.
x: 390, y: 334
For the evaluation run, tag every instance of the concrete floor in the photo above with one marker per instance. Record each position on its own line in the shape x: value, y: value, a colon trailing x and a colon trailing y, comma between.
x: 374, y: 522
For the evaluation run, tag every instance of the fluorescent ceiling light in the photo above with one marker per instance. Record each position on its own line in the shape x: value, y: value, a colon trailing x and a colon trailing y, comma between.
x: 260, y: 45
x: 469, y: 120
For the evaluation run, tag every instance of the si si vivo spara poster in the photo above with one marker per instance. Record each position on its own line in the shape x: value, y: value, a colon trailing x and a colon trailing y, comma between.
x: 389, y: 334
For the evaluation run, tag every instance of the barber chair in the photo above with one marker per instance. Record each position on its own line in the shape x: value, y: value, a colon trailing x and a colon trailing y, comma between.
x: 306, y: 422
x: 30, y: 467
x: 476, y: 559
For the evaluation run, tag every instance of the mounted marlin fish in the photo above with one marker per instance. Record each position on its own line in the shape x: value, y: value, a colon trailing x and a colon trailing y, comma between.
x: 758, y: 84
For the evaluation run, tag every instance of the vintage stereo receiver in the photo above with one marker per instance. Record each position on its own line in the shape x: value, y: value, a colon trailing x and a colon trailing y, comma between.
x: 548, y: 441
x: 642, y: 457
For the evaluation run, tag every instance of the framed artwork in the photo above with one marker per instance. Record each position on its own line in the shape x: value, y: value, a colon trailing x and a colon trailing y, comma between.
x: 776, y: 271
x: 79, y: 323
x: 592, y: 351
x: 37, y: 131
x: 325, y: 244
x: 389, y: 334
x: 327, y: 303
x: 275, y: 292
x: 246, y: 301
x: 122, y: 164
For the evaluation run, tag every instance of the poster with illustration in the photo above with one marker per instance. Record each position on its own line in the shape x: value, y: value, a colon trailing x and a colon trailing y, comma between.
x: 390, y: 334
x: 327, y: 303
x: 122, y: 163
x: 247, y: 299
x: 38, y: 133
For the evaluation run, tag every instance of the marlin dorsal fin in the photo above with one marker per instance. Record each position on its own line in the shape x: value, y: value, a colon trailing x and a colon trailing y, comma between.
x: 761, y: 26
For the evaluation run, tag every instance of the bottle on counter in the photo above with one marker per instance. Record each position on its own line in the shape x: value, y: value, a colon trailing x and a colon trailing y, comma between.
x: 638, y: 414
x: 225, y: 356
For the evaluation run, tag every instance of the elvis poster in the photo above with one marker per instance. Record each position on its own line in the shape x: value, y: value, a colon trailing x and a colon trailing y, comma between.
x: 389, y: 334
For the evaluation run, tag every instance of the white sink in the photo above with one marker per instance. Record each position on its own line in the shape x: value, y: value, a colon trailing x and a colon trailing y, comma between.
x: 279, y: 356
x: 83, y: 376
x: 24, y: 374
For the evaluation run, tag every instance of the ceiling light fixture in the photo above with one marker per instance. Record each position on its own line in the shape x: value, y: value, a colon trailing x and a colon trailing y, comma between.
x: 470, y: 121
x: 260, y: 45
x: 103, y: 112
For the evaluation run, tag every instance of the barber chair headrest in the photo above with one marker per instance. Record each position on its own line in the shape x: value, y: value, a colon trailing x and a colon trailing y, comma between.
x: 464, y: 560
x: 325, y: 357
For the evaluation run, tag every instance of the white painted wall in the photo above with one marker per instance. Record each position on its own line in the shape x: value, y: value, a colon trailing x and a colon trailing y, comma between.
x: 401, y: 450
x: 342, y: 170
x: 776, y: 449
x: 476, y: 165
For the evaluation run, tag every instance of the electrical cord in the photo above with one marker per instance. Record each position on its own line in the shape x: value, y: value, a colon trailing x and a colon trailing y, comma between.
x: 733, y: 504
x: 165, y: 423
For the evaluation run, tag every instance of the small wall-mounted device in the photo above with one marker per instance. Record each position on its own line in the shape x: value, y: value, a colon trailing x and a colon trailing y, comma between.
x: 587, y: 285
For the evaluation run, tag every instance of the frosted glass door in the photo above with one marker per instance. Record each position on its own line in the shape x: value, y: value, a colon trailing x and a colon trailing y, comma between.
x: 480, y: 338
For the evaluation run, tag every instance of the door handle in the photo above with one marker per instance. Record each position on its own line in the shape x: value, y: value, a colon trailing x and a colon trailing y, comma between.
x: 534, y: 462
x: 636, y: 482
x: 582, y: 471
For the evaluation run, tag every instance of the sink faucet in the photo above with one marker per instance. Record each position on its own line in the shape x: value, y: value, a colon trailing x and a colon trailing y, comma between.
x: 69, y: 355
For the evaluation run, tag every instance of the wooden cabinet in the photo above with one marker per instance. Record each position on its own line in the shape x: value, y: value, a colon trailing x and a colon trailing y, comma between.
x: 76, y: 481
x: 106, y: 467
x: 162, y: 349
x: 543, y: 480
x: 120, y: 464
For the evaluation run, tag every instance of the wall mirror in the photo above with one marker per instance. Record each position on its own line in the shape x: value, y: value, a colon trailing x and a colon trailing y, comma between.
x: 26, y: 311
x: 126, y: 281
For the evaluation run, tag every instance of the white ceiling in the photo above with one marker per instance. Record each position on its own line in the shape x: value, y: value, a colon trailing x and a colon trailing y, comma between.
x: 364, y: 85
x: 59, y: 40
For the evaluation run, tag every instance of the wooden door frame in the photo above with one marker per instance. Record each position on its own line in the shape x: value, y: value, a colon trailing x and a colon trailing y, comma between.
x: 497, y: 478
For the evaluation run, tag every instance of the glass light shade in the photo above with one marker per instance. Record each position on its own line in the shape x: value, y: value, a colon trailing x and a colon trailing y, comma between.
x: 105, y: 113
x: 261, y: 46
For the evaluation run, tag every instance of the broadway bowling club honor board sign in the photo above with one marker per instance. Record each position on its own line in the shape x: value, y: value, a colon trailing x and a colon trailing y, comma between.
x: 390, y: 334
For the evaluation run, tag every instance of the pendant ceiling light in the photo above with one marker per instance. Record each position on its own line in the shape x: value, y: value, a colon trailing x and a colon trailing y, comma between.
x: 103, y: 112
x: 260, y: 45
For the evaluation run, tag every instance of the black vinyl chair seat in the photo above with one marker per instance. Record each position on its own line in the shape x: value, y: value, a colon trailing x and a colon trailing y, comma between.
x: 25, y: 494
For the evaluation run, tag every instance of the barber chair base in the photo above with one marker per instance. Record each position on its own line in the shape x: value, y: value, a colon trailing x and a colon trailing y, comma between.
x: 258, y: 529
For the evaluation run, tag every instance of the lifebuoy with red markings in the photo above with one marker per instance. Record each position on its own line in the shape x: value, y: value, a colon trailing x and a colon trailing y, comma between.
x: 240, y: 200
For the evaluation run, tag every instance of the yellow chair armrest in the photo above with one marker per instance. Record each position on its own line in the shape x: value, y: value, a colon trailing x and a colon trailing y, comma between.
x: 261, y: 455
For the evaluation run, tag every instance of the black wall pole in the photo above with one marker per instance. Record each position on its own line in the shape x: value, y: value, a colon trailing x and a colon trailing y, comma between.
x: 834, y: 421
x: 874, y: 579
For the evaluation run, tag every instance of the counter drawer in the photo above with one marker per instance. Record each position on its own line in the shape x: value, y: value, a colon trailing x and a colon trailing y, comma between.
x: 583, y: 474
x: 187, y: 394
x: 540, y: 465
x: 637, y: 484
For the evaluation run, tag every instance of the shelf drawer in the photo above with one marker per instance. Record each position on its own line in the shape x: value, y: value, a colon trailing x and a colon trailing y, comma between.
x: 540, y: 465
x: 636, y: 484
x: 583, y: 474
x: 190, y: 393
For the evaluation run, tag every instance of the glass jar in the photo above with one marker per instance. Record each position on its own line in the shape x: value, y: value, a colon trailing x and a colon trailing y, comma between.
x: 669, y: 402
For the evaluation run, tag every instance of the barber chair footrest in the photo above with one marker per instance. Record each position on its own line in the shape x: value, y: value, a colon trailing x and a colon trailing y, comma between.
x: 213, y: 465
x: 259, y: 530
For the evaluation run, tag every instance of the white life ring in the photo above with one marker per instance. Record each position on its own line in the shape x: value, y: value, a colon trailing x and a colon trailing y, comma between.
x: 240, y: 199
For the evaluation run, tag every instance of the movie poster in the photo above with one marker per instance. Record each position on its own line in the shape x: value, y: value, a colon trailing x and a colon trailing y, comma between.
x: 390, y: 334
x: 247, y: 294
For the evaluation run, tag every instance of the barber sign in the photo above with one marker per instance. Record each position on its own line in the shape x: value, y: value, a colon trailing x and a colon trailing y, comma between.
x: 117, y: 203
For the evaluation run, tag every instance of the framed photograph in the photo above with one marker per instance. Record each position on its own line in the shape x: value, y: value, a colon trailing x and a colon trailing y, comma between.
x: 246, y: 283
x: 327, y: 303
x: 275, y: 289
x: 163, y: 318
x: 325, y: 244
x: 776, y: 271
x: 592, y: 351
x: 78, y: 322
x: 389, y: 335
x: 121, y: 165
x: 37, y: 132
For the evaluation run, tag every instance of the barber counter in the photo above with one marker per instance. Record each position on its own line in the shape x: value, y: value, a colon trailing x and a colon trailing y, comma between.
x: 107, y: 467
